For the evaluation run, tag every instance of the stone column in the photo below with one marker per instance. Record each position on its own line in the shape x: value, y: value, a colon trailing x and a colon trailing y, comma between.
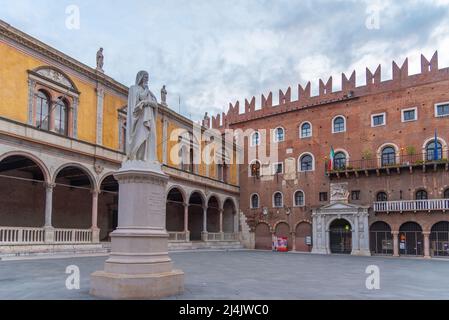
x: 95, y: 229
x: 293, y: 241
x: 221, y: 224
x: 49, y: 230
x: 186, y: 221
x: 395, y: 243
x: 426, y: 245
x: 139, y: 266
x: 204, y: 233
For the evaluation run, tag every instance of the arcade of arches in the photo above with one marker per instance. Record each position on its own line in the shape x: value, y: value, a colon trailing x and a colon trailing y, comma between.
x: 195, y: 218
x: 63, y: 209
x: 69, y: 207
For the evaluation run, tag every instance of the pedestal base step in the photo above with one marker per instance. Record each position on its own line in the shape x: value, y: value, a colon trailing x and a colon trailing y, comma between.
x: 146, y: 286
x: 201, y: 245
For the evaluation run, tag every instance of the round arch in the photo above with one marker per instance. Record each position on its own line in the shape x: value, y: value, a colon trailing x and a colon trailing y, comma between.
x: 23, y: 184
x: 89, y: 174
x: 32, y: 157
x: 303, y: 233
x: 217, y: 198
x: 282, y: 229
x: 340, y: 238
x: 432, y: 139
x: 381, y: 238
x: 180, y: 189
x: 439, y: 239
x: 263, y: 236
x: 200, y: 193
x: 411, y: 239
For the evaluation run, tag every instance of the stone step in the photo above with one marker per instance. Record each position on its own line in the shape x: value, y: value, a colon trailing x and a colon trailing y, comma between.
x: 105, y: 248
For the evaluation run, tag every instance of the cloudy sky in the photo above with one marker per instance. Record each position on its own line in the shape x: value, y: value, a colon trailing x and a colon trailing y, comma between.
x: 212, y: 52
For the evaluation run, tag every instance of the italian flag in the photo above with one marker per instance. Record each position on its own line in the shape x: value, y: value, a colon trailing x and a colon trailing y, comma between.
x: 331, y: 159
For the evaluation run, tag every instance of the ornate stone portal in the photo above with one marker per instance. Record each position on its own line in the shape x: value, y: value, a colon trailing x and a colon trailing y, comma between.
x: 338, y: 209
x: 139, y: 266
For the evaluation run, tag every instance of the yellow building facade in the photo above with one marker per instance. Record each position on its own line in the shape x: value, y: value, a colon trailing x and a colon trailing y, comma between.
x: 62, y: 137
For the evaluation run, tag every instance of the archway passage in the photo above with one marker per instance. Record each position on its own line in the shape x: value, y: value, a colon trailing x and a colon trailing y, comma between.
x: 303, y: 235
x: 196, y: 213
x: 72, y: 199
x: 108, y: 207
x: 229, y: 217
x: 340, y: 235
x: 283, y: 231
x: 439, y: 239
x: 263, y: 237
x: 213, y: 215
x: 411, y: 240
x: 381, y: 239
x: 22, y: 197
x: 175, y: 211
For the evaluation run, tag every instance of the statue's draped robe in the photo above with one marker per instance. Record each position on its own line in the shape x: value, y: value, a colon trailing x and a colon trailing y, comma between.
x: 141, y: 124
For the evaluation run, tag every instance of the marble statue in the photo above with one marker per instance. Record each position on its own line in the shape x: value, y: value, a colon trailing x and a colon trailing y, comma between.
x: 141, y: 121
x: 164, y: 96
x: 100, y: 59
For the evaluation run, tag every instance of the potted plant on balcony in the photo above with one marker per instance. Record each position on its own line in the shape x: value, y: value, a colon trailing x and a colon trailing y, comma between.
x: 411, y: 152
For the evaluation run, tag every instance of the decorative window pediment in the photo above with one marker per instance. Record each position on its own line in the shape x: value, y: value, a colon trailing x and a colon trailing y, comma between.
x: 55, y: 76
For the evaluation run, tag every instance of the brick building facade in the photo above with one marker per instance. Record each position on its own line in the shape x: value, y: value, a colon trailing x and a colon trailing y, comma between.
x: 386, y: 189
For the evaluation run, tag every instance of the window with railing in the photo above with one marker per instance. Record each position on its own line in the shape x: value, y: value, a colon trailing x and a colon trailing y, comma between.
x: 422, y: 195
x: 339, y: 161
x: 434, y: 151
x: 382, y: 197
x: 388, y: 156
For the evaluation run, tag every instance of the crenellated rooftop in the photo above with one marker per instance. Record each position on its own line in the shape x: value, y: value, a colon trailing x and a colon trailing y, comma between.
x: 349, y: 90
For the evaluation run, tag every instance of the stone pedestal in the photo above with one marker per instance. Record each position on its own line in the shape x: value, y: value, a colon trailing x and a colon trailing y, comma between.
x: 139, y: 266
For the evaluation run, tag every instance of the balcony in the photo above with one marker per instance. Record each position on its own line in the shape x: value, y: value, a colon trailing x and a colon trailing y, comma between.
x: 412, y: 206
x: 387, y: 165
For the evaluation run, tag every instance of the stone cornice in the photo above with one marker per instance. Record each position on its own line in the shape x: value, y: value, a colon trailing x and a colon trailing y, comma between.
x: 26, y: 40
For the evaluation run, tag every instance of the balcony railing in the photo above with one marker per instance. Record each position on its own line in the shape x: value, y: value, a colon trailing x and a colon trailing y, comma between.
x: 412, y: 205
x: 34, y: 236
x: 387, y: 162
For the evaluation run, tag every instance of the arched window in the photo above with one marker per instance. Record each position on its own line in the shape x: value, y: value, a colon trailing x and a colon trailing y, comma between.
x: 255, y: 139
x: 434, y: 153
x: 382, y: 197
x: 279, y: 135
x: 339, y: 125
x: 254, y: 201
x: 421, y: 195
x: 42, y: 110
x: 306, y: 130
x: 388, y: 156
x: 254, y: 169
x: 446, y: 194
x: 278, y: 201
x: 306, y: 163
x: 299, y: 199
x: 60, y: 113
x: 339, y: 161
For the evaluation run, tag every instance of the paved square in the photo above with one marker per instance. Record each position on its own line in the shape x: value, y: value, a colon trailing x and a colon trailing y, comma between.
x: 247, y: 275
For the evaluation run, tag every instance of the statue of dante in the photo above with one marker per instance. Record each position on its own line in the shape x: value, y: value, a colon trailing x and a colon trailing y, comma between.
x: 141, y: 121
